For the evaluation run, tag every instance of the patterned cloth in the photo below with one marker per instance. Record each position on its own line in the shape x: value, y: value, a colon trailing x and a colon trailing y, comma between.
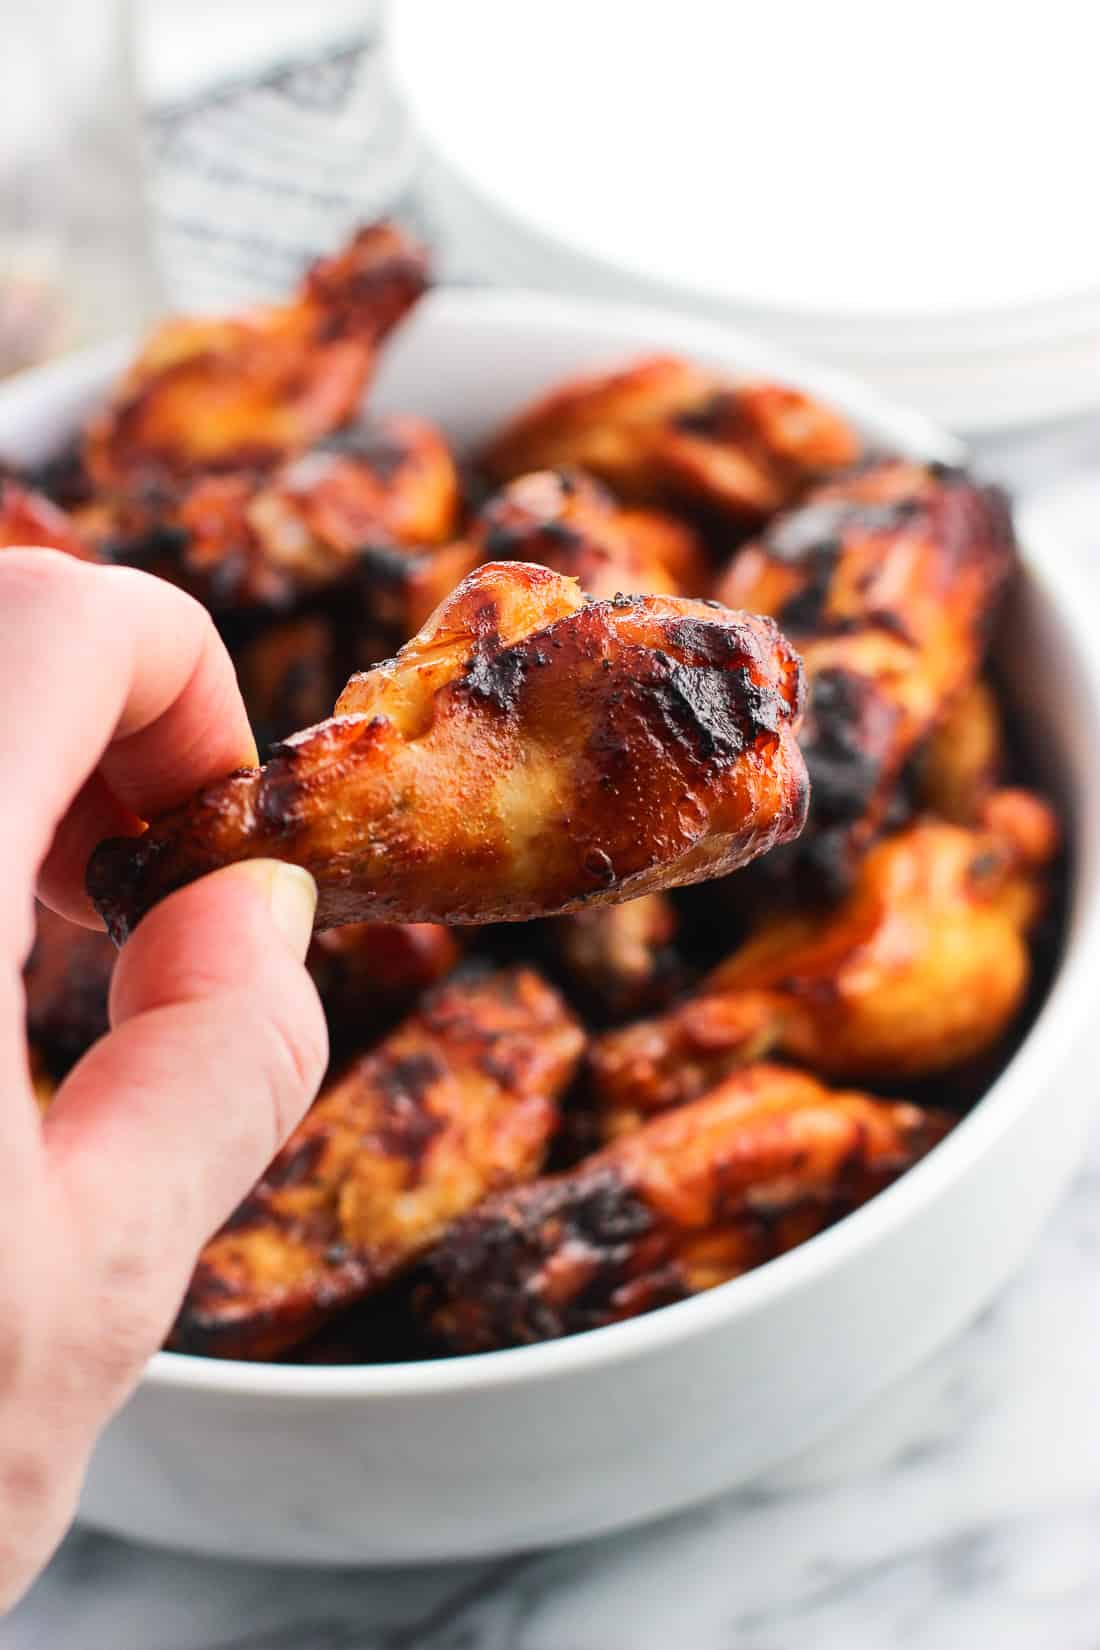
x: 255, y: 178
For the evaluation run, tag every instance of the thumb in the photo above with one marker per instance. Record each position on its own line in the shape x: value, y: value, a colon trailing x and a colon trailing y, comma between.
x: 217, y: 1048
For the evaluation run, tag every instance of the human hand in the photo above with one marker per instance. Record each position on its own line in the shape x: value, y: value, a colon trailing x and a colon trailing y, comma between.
x: 116, y: 700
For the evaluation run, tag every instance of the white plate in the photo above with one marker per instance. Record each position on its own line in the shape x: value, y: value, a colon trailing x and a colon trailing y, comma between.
x: 875, y: 190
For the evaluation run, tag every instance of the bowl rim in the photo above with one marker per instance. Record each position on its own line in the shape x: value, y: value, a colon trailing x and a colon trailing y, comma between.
x: 1069, y: 999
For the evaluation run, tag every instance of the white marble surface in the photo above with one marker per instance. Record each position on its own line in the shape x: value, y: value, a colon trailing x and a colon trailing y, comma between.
x: 962, y: 1512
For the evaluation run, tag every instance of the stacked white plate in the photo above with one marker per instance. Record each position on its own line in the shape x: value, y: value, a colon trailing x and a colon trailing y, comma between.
x: 908, y: 192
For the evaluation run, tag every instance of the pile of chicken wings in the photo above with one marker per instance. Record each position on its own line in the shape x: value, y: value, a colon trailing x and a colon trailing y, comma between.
x: 677, y: 890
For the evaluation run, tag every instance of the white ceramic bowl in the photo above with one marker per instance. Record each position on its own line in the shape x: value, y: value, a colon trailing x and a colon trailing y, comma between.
x: 550, y: 1443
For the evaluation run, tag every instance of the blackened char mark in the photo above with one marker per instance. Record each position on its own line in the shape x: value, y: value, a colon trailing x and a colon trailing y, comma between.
x: 805, y: 610
x: 373, y: 444
x: 495, y: 1258
x: 711, y: 418
x: 719, y: 714
x: 848, y: 743
x: 815, y: 527
x: 409, y: 1125
x: 496, y: 677
x: 845, y: 734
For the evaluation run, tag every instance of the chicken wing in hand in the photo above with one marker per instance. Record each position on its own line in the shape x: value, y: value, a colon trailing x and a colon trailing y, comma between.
x: 922, y: 966
x: 529, y: 752
x: 687, y: 1202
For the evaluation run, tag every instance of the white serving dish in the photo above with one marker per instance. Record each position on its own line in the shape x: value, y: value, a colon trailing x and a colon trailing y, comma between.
x: 550, y: 1443
x: 758, y: 167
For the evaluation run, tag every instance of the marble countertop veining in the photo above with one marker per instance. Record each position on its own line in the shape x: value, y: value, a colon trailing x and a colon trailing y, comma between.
x: 961, y: 1510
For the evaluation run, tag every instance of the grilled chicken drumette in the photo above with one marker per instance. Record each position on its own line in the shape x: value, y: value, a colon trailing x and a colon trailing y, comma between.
x: 241, y: 392
x: 662, y: 428
x: 460, y: 1100
x: 529, y: 752
x: 921, y: 967
x: 887, y: 582
x: 689, y: 1201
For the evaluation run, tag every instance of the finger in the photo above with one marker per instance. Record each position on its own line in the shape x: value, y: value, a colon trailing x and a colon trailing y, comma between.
x: 218, y: 1046
x: 109, y: 668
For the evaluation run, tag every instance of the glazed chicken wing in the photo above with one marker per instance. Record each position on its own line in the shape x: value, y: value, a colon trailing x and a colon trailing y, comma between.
x: 529, y: 752
x: 689, y: 1201
x: 458, y: 1101
x: 66, y: 982
x: 208, y: 393
x: 887, y: 582
x: 246, y: 538
x: 243, y: 539
x: 663, y: 428
x: 922, y: 967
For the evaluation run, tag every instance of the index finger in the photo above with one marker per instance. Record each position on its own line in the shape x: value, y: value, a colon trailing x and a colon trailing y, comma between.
x: 117, y: 700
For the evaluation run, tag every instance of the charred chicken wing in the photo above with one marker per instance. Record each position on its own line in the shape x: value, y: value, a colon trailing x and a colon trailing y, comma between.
x: 458, y: 1101
x: 887, y: 582
x: 689, y: 1201
x: 243, y: 539
x: 563, y: 520
x: 529, y: 752
x: 921, y: 967
x: 227, y: 394
x: 663, y: 428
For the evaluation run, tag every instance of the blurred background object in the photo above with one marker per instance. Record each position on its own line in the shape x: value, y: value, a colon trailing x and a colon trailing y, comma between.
x: 75, y: 260
x: 902, y: 192
x: 272, y: 135
x: 188, y: 154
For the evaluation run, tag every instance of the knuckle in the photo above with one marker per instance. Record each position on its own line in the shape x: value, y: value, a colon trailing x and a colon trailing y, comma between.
x: 32, y: 579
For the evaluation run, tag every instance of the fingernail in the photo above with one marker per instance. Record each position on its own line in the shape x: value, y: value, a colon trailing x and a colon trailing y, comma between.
x: 292, y: 900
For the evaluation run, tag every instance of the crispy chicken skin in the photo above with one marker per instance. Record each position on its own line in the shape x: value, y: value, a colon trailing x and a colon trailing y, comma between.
x: 66, y: 983
x: 207, y: 393
x: 965, y: 758
x: 887, y: 582
x: 663, y: 428
x: 29, y: 518
x: 458, y: 1101
x: 922, y: 967
x: 689, y: 1201
x: 528, y: 752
